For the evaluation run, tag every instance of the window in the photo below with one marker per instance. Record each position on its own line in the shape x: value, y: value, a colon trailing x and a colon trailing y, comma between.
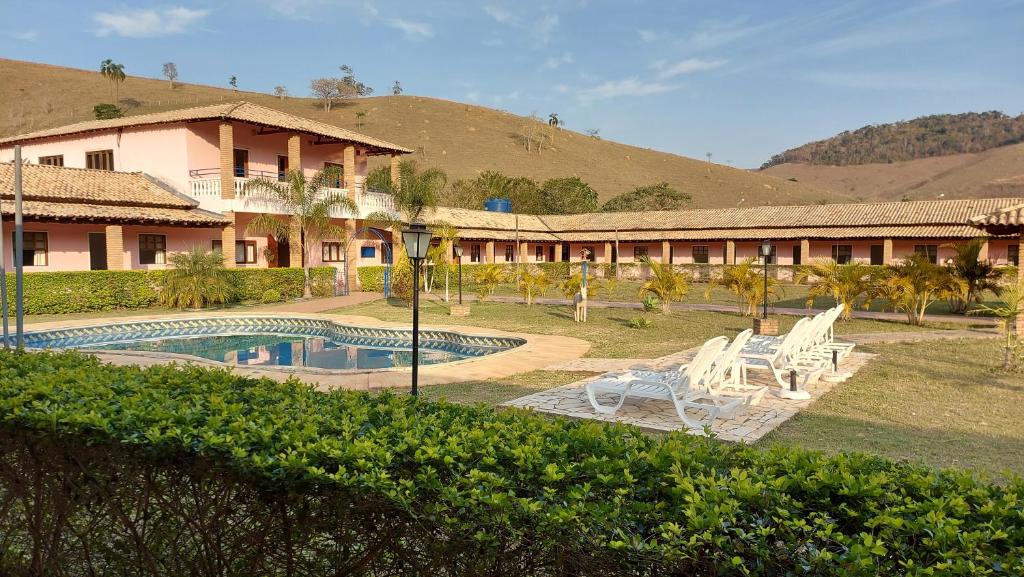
x: 509, y: 253
x: 474, y: 253
x: 100, y: 159
x: 282, y: 168
x: 877, y: 254
x: 700, y: 254
x: 796, y: 254
x: 217, y: 245
x: 33, y: 248
x: 241, y: 163
x: 929, y: 250
x: 591, y: 255
x: 245, y: 252
x: 1013, y: 254
x: 639, y: 252
x: 842, y: 253
x: 332, y: 252
x: 55, y: 160
x: 152, y: 249
x: 538, y: 253
x: 368, y: 252
x: 340, y: 168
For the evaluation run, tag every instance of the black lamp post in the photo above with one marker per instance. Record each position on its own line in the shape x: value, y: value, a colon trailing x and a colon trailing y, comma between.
x: 766, y: 251
x: 417, y: 243
x: 458, y: 255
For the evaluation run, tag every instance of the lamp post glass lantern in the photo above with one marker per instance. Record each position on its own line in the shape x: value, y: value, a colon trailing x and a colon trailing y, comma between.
x: 766, y: 252
x: 458, y: 254
x: 417, y: 243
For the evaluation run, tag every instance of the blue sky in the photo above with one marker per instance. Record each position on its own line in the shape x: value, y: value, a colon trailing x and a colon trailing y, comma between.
x: 741, y: 80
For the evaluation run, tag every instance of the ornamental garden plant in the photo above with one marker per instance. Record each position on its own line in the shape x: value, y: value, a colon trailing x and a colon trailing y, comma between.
x: 110, y: 470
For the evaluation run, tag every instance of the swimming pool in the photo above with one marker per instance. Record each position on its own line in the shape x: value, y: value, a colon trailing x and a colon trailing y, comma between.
x: 276, y: 341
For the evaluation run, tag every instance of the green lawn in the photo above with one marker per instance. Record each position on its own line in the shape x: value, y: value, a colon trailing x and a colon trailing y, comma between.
x: 608, y: 329
x: 943, y: 403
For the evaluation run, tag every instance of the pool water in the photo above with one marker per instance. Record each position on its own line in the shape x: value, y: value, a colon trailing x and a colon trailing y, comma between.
x: 285, y: 350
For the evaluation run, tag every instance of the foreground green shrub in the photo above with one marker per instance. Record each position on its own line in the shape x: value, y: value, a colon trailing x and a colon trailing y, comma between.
x: 197, y: 278
x: 168, y: 471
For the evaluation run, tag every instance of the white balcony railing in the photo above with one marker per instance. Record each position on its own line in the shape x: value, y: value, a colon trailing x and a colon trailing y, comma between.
x: 207, y: 192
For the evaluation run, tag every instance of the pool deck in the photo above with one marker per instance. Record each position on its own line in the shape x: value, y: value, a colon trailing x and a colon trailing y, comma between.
x: 539, y: 351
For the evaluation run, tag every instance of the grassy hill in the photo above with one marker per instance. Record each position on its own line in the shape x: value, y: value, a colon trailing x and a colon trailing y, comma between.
x: 924, y: 137
x: 995, y: 172
x: 462, y: 139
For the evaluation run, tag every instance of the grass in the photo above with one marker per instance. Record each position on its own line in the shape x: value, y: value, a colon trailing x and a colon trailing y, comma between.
x: 941, y: 403
x: 497, y: 391
x: 462, y: 139
x: 608, y: 329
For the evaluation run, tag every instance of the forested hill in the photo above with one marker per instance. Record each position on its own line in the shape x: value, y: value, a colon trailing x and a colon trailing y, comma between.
x: 924, y: 137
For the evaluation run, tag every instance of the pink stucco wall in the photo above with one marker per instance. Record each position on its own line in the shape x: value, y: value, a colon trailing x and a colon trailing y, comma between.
x: 178, y: 240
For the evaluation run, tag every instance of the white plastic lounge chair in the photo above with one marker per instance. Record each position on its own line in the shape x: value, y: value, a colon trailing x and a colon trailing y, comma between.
x: 780, y: 359
x: 681, y: 387
x: 728, y: 378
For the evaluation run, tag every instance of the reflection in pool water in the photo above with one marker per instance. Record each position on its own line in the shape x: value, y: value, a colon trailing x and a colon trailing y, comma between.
x: 281, y: 350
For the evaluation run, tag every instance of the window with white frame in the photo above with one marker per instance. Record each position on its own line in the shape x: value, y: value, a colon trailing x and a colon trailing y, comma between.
x: 332, y: 252
x: 33, y: 248
x: 152, y: 249
x: 509, y: 253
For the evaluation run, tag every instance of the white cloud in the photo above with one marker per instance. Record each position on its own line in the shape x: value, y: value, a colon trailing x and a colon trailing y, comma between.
x: 500, y: 14
x: 148, y: 23
x: 545, y: 26
x: 27, y: 35
x: 648, y: 35
x: 556, y: 62
x: 412, y: 30
x: 688, y: 66
x: 626, y: 87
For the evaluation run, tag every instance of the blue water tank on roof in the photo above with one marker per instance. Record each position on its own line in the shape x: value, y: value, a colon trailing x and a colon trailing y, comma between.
x: 498, y: 205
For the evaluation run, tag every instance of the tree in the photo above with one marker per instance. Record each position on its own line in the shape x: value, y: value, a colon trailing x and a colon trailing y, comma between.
x: 349, y: 87
x: 396, y: 89
x: 1012, y: 296
x: 593, y: 133
x: 913, y: 285
x: 114, y: 73
x: 308, y: 206
x: 746, y: 282
x: 533, y: 281
x: 567, y: 195
x: 280, y: 92
x: 488, y: 277
x: 844, y: 283
x: 553, y: 120
x: 658, y: 196
x: 197, y: 278
x: 107, y: 111
x: 665, y: 284
x: 326, y: 89
x: 978, y: 275
x: 359, y: 119
x: 440, y: 256
x: 170, y: 73
x: 233, y: 81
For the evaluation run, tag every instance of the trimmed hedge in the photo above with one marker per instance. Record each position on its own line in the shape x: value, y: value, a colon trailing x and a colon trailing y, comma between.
x: 106, y: 290
x: 188, y: 471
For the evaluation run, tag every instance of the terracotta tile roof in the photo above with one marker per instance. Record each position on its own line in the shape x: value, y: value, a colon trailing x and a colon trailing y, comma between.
x: 240, y: 111
x: 1002, y: 221
x: 919, y: 219
x: 67, y: 194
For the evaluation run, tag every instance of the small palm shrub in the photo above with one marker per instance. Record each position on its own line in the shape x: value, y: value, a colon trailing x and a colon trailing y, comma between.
x: 649, y: 303
x: 641, y: 322
x: 977, y: 275
x: 197, y: 279
x: 489, y: 276
x: 746, y: 282
x: 913, y: 285
x: 665, y: 284
x: 1012, y: 296
x: 844, y: 283
x: 571, y: 285
x: 533, y: 281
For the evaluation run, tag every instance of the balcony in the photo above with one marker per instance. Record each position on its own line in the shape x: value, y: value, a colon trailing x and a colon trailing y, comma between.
x: 207, y: 191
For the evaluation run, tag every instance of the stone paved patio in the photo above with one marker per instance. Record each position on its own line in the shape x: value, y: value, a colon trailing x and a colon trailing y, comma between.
x: 746, y: 426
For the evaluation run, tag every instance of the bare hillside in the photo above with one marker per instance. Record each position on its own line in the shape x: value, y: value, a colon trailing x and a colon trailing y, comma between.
x: 462, y: 139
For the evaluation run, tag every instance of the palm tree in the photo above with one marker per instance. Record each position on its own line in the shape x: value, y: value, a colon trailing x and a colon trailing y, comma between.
x: 114, y: 73
x: 532, y: 282
x: 440, y: 256
x: 665, y: 284
x: 746, y: 282
x: 1012, y: 296
x: 197, y: 278
x: 308, y: 206
x: 913, y: 285
x: 978, y: 275
x: 843, y: 282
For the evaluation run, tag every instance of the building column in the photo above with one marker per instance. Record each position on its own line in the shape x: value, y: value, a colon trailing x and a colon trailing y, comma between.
x: 523, y: 251
x: 489, y: 258
x: 983, y: 253
x: 226, y: 144
x: 294, y: 243
x: 294, y: 152
x: 352, y: 257
x: 730, y: 252
x: 558, y: 252
x: 396, y: 174
x: 887, y: 251
x: 115, y: 247
x: 666, y: 252
x: 608, y: 252
x: 227, y: 241
x: 805, y: 251
x: 349, y: 168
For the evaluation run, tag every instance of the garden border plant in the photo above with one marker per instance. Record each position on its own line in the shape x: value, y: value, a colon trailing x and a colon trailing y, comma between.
x: 173, y: 471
